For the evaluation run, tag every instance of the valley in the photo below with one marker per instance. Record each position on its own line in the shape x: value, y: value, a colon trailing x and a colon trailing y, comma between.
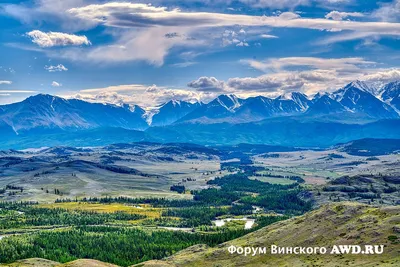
x: 176, y: 193
x: 240, y: 133
x: 150, y: 169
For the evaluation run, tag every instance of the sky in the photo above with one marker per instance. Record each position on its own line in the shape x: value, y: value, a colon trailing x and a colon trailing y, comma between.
x: 149, y: 52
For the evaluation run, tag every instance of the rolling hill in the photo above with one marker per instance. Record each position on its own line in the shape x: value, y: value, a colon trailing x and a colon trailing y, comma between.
x: 343, y: 223
x: 334, y: 224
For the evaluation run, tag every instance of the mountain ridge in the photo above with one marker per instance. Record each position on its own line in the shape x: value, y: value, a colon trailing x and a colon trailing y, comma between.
x: 349, y: 113
x: 52, y: 112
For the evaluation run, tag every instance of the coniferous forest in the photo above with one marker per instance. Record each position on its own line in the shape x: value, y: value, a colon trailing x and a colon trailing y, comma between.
x: 134, y: 230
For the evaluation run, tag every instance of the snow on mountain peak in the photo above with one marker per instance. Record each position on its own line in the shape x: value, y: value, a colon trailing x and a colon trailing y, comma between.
x: 363, y: 86
x: 230, y: 102
x: 299, y: 98
x: 176, y: 102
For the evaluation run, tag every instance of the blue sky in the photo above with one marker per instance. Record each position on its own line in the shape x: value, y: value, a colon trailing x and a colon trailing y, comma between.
x: 148, y: 52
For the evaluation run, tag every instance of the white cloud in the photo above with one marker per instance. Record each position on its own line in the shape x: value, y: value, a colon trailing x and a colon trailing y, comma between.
x: 58, y: 68
x: 5, y: 82
x: 149, y: 45
x: 38, y: 11
x: 384, y: 75
x: 336, y: 15
x: 152, y: 23
x: 56, y: 84
x: 51, y: 39
x: 280, y: 4
x: 262, y: 83
x: 388, y: 11
x: 139, y: 30
x: 125, y: 15
x: 342, y: 64
x: 305, y: 74
x: 207, y: 84
x: 243, y: 43
x: 347, y: 37
x: 142, y: 95
x: 17, y: 91
x: 184, y: 64
x: 268, y: 36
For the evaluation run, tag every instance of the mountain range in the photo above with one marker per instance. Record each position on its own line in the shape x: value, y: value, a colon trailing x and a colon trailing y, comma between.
x: 255, y: 119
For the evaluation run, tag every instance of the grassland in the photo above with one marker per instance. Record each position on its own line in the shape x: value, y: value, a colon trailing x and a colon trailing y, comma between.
x: 271, y: 180
x: 143, y: 210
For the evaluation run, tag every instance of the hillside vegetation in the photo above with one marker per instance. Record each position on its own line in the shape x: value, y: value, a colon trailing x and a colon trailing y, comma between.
x: 343, y: 223
x: 333, y: 224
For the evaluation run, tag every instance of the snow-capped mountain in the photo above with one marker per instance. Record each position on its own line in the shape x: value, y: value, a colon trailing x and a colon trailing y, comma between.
x: 357, y: 98
x: 391, y: 94
x: 363, y: 86
x: 46, y: 112
x: 323, y: 104
x: 221, y: 107
x: 258, y: 108
x: 172, y: 111
x: 299, y: 98
x: 229, y: 102
x: 230, y: 108
x: 391, y: 90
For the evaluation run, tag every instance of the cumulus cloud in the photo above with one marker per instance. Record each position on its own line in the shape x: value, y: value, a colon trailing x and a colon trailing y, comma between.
x: 56, y: 84
x: 51, y: 39
x: 384, y: 76
x: 336, y: 15
x: 5, y: 82
x: 58, y: 68
x: 262, y: 83
x: 142, y: 95
x: 309, y: 82
x: 307, y: 74
x: 207, y: 84
x: 324, y: 76
x: 271, y: 84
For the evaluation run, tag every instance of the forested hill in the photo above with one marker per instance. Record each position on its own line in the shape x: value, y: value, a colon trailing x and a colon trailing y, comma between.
x: 334, y: 224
